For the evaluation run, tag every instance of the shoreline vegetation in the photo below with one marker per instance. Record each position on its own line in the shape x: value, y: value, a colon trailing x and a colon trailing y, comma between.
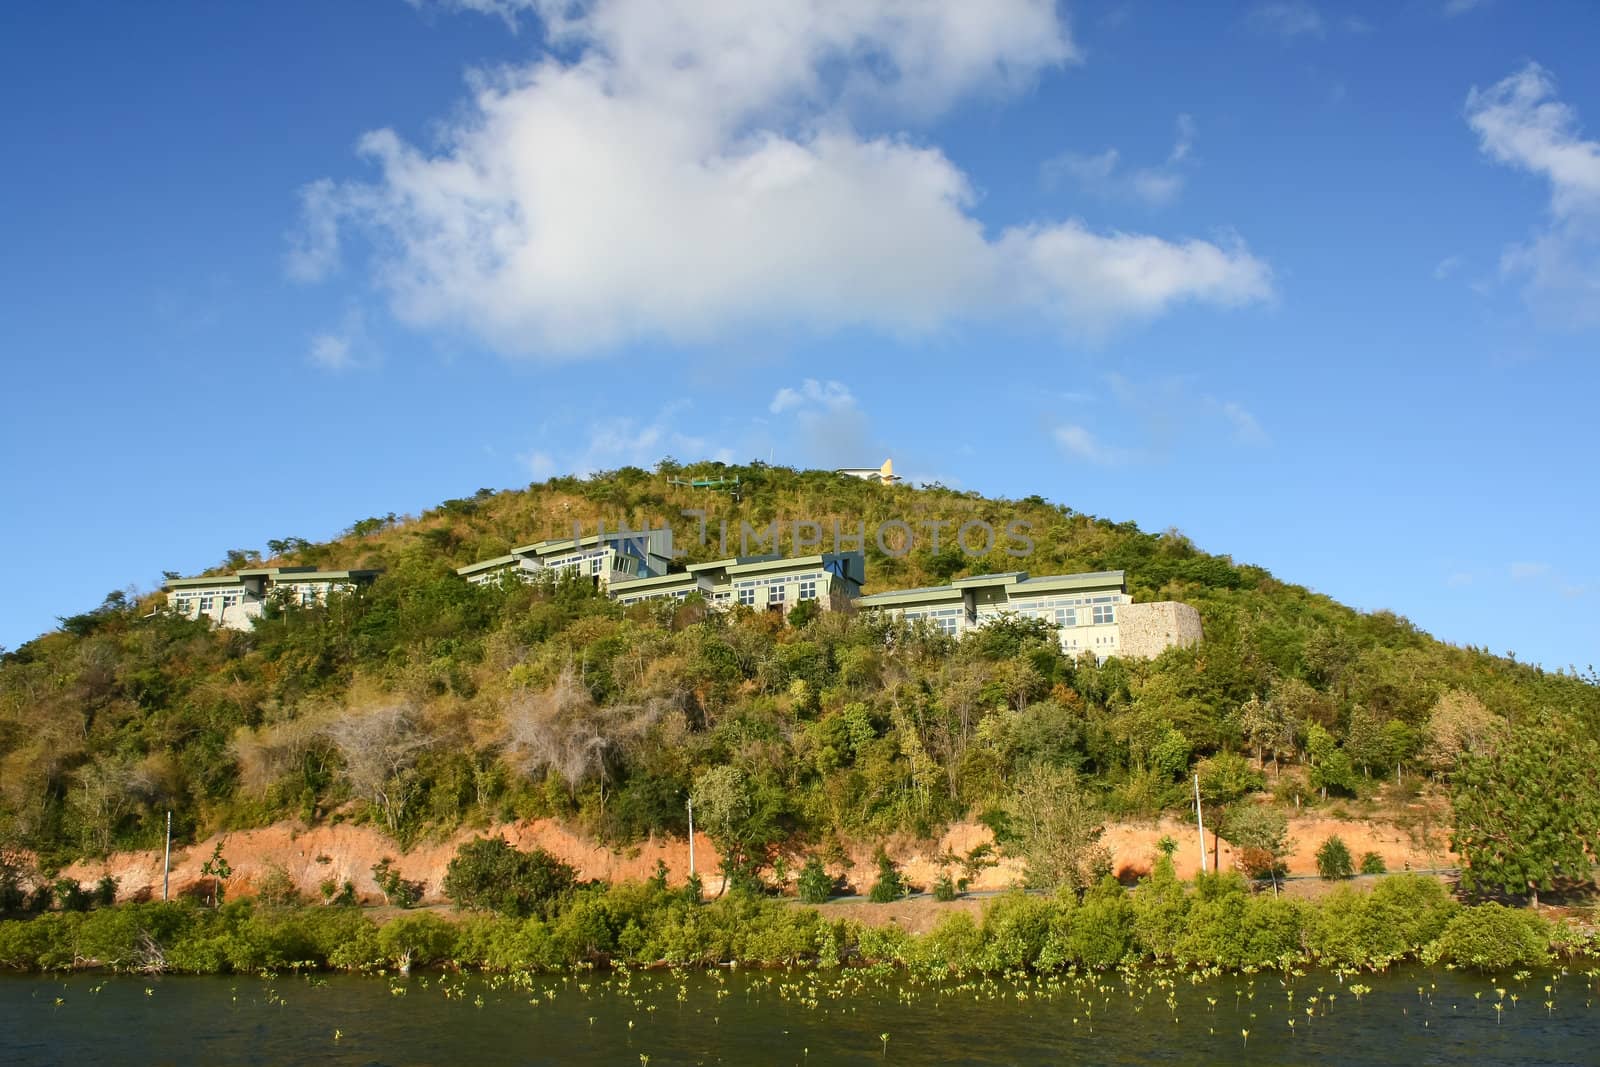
x: 539, y: 920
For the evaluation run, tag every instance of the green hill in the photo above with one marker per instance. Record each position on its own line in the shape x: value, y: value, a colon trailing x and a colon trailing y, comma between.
x: 423, y: 703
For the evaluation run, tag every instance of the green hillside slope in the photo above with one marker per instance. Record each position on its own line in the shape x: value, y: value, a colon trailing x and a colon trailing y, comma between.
x: 424, y: 703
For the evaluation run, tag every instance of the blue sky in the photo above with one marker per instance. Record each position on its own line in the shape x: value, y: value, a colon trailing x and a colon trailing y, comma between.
x: 1317, y: 285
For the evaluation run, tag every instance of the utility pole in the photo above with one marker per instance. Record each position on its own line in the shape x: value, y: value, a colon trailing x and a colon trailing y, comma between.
x: 166, y: 863
x: 1200, y: 824
x: 691, y: 837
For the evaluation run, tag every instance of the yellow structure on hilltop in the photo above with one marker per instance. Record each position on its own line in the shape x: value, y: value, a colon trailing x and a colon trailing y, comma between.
x: 883, y: 475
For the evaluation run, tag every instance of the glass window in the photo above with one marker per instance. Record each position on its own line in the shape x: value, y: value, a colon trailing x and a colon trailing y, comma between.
x: 1104, y: 613
x: 775, y: 594
x: 808, y: 589
x: 747, y: 595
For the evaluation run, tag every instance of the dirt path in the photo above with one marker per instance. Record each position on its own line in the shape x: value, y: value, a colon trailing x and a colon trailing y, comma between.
x: 347, y: 852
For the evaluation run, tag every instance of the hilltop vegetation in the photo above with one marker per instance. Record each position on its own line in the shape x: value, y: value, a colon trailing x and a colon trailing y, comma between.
x: 423, y: 703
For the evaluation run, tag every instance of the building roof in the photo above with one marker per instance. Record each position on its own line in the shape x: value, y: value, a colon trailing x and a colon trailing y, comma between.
x: 1051, y: 582
x: 659, y: 581
x: 486, y: 565
x: 275, y: 574
x: 891, y: 597
x: 216, y: 580
x: 1002, y: 578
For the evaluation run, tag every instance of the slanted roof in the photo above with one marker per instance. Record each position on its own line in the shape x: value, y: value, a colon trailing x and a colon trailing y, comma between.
x: 486, y: 565
x: 763, y: 565
x: 1061, y: 582
x: 216, y: 581
x: 1002, y: 578
x: 656, y: 583
x: 928, y: 594
x: 327, y: 576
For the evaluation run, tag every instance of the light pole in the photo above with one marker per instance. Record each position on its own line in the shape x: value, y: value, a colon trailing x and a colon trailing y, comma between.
x: 1200, y: 824
x: 691, y: 837
x: 166, y: 863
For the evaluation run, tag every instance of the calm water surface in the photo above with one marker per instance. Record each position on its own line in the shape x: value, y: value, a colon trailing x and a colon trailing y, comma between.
x: 654, y: 1019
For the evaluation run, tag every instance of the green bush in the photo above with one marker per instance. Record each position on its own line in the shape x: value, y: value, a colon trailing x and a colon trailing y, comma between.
x: 1333, y: 859
x: 416, y: 940
x: 489, y: 874
x: 815, y: 884
x: 891, y: 885
x: 398, y: 890
x: 944, y: 888
x: 1492, y: 937
x: 1372, y: 863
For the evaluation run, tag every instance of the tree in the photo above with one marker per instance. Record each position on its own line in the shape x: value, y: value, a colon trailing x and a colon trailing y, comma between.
x: 1333, y: 859
x: 891, y: 884
x: 815, y: 884
x: 1458, y: 724
x: 1260, y: 833
x: 1330, y: 765
x: 381, y: 748
x: 489, y: 873
x: 1528, y: 812
x: 1054, y: 825
x: 219, y: 870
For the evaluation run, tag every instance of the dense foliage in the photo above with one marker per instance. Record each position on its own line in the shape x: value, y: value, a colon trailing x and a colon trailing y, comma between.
x: 424, y: 703
x: 1217, y: 924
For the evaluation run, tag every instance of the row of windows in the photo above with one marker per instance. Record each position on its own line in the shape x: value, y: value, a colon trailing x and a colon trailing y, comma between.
x: 778, y: 579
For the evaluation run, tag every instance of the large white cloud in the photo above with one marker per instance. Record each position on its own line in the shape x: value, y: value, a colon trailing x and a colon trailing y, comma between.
x: 679, y: 169
x: 1520, y: 122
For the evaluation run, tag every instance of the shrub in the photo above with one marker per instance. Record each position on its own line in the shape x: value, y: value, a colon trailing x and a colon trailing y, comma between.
x: 277, y: 889
x: 815, y: 884
x: 397, y: 890
x: 71, y: 896
x: 488, y: 873
x: 1493, y: 937
x: 944, y: 888
x: 416, y: 939
x: 1372, y: 863
x: 890, y: 886
x: 1333, y: 859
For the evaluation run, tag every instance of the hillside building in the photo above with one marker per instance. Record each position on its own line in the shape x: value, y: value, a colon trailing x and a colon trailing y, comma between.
x: 616, y: 556
x: 235, y: 600
x: 883, y: 475
x: 765, y: 583
x: 1092, y: 612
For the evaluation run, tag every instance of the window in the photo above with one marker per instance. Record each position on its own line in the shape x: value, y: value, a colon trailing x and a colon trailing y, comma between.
x: 747, y: 595
x: 230, y: 599
x: 1066, y: 617
x: 1104, y: 613
x: 206, y: 602
x: 808, y: 589
x: 775, y: 594
x: 595, y: 565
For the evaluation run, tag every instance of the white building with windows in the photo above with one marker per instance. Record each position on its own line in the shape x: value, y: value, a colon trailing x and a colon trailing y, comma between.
x: 236, y: 600
x: 610, y: 557
x: 1092, y: 612
x: 765, y: 583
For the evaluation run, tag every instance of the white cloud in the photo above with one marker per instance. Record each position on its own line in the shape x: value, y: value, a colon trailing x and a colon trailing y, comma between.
x: 1446, y: 267
x: 683, y: 171
x: 624, y: 441
x: 1526, y: 571
x: 828, y: 427
x: 1104, y: 176
x: 1246, y: 429
x: 1287, y: 19
x: 1521, y: 123
x: 1079, y: 442
x: 1459, y: 579
x: 831, y: 395
x: 344, y: 347
x: 1452, y: 8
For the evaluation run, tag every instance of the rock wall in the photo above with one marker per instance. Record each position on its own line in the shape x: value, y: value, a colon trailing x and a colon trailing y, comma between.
x: 1145, y: 630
